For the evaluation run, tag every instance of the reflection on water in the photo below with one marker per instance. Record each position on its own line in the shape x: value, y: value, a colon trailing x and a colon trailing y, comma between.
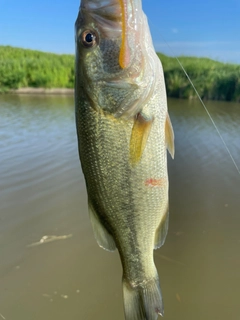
x: 42, y: 193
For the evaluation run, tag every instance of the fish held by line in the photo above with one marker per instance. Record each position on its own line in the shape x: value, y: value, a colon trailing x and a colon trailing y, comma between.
x: 124, y: 132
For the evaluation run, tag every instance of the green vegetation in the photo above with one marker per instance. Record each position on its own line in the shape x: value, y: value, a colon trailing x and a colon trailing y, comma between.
x: 28, y: 68
x: 214, y: 80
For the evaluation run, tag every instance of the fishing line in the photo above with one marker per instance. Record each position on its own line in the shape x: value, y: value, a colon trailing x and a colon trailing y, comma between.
x: 209, y: 115
x: 200, y: 99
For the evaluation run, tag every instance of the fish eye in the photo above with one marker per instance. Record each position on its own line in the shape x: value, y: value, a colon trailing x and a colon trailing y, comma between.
x: 89, y: 38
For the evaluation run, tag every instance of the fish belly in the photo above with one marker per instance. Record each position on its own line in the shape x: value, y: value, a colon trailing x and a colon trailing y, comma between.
x: 130, y: 201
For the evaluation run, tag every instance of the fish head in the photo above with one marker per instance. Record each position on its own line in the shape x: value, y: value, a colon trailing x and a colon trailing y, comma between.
x: 114, y: 56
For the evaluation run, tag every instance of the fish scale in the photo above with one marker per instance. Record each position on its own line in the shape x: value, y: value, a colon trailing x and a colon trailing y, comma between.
x: 123, y: 131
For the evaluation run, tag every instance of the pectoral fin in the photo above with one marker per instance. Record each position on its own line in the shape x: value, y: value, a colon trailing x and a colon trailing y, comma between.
x: 161, y: 232
x: 169, y: 136
x: 140, y: 132
x: 103, y: 237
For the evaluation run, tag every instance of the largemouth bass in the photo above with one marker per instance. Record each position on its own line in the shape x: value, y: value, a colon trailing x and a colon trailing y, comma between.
x: 123, y: 132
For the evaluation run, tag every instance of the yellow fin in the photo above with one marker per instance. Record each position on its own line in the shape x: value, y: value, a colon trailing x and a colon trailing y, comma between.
x: 169, y: 136
x: 140, y: 132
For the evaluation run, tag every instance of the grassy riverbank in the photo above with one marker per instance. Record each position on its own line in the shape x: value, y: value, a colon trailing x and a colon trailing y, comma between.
x: 214, y: 80
x: 20, y: 68
x: 28, y: 68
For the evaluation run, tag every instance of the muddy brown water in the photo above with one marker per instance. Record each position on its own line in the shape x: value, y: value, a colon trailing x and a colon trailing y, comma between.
x: 42, y: 193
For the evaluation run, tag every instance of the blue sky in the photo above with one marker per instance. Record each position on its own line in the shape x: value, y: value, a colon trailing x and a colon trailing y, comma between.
x: 209, y: 28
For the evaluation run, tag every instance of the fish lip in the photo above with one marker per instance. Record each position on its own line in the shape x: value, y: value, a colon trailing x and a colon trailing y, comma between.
x: 139, y: 74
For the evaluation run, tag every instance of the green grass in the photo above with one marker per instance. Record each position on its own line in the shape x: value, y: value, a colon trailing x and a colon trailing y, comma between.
x: 28, y: 68
x: 214, y: 80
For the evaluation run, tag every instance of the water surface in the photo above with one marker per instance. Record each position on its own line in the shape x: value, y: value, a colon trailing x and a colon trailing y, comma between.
x: 42, y: 192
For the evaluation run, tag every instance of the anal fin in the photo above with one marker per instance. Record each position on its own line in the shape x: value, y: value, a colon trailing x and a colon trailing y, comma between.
x: 162, y: 230
x: 103, y: 237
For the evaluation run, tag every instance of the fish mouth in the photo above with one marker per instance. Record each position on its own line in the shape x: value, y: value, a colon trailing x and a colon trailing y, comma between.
x: 122, y: 26
x: 117, y: 19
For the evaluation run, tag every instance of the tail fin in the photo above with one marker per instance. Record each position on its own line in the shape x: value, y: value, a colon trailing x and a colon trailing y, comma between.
x: 143, y: 302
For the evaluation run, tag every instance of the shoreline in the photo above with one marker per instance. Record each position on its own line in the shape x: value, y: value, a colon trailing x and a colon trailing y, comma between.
x: 29, y: 90
x: 33, y: 69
